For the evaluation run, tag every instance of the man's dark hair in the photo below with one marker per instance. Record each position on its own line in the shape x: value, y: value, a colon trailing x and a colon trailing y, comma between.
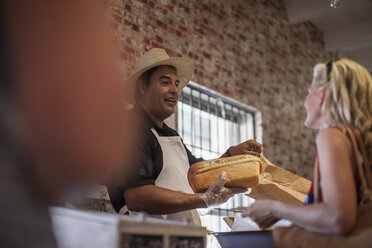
x: 145, y: 77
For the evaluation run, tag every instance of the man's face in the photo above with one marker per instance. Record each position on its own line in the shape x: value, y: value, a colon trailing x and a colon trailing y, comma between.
x: 161, y: 95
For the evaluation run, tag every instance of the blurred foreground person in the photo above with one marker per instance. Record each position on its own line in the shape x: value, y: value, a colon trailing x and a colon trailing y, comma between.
x: 339, y: 99
x: 62, y: 119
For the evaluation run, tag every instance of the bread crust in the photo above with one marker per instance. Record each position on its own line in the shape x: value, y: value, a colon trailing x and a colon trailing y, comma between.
x: 241, y: 171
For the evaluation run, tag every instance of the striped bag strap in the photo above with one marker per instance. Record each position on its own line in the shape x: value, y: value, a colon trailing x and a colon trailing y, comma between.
x: 363, y: 164
x: 316, y: 187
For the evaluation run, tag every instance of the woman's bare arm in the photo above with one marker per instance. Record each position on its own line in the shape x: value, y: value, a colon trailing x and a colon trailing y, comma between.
x: 337, y: 213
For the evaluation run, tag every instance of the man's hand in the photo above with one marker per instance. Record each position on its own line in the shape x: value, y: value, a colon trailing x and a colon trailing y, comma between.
x: 218, y: 193
x: 248, y: 147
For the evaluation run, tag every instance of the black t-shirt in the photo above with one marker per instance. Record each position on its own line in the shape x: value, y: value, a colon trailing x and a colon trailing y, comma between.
x: 148, y: 157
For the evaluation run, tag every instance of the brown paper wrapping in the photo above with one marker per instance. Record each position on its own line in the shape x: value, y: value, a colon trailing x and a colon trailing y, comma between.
x: 280, y: 184
x: 276, y: 184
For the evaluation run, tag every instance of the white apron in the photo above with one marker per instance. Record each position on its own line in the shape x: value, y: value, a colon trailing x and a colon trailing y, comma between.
x: 173, y: 175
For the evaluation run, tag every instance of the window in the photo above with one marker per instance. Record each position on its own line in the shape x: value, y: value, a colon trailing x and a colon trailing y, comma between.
x: 209, y: 124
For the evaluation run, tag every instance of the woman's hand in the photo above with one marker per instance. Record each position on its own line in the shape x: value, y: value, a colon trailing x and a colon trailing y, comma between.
x: 261, y: 212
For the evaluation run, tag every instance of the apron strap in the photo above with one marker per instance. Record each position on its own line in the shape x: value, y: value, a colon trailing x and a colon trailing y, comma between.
x: 124, y: 210
x: 155, y: 133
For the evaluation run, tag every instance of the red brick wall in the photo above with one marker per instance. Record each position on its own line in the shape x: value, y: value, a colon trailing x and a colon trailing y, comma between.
x: 244, y: 49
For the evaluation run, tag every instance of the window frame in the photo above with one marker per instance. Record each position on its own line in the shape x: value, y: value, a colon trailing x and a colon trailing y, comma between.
x: 257, y: 131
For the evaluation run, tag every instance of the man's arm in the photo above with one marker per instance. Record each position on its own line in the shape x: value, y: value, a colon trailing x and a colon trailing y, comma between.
x: 157, y: 200
x: 247, y: 147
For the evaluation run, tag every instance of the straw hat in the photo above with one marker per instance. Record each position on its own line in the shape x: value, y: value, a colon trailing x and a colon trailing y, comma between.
x: 156, y: 57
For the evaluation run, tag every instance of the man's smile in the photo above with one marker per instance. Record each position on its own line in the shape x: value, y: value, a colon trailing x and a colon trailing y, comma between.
x: 171, y: 100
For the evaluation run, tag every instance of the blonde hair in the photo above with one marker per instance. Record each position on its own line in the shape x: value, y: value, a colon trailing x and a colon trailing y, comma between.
x: 348, y: 96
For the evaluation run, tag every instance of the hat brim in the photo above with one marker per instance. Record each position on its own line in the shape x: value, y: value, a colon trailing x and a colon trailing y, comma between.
x: 184, y: 68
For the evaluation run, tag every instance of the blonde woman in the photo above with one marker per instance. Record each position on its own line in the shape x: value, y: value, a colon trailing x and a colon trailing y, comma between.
x: 340, y: 95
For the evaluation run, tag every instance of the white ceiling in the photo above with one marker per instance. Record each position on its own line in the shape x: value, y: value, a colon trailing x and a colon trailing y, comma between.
x: 347, y: 29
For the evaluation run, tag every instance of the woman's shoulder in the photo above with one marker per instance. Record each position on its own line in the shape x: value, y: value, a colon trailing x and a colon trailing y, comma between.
x: 333, y: 136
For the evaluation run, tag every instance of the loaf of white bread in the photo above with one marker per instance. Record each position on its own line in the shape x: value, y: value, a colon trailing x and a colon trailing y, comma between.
x: 241, y: 171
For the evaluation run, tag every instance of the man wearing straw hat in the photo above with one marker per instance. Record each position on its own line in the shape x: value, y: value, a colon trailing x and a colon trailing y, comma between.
x: 159, y: 185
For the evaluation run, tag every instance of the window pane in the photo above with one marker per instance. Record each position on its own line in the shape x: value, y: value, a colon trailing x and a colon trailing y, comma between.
x: 209, y: 125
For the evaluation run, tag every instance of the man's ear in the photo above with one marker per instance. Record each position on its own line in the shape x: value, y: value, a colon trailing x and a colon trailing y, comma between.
x: 141, y: 87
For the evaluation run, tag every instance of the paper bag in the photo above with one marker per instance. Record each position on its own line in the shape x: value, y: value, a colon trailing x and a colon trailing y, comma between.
x: 280, y: 184
x: 247, y: 224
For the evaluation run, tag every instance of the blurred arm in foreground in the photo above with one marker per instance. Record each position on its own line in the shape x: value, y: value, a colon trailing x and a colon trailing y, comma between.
x: 62, y: 113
